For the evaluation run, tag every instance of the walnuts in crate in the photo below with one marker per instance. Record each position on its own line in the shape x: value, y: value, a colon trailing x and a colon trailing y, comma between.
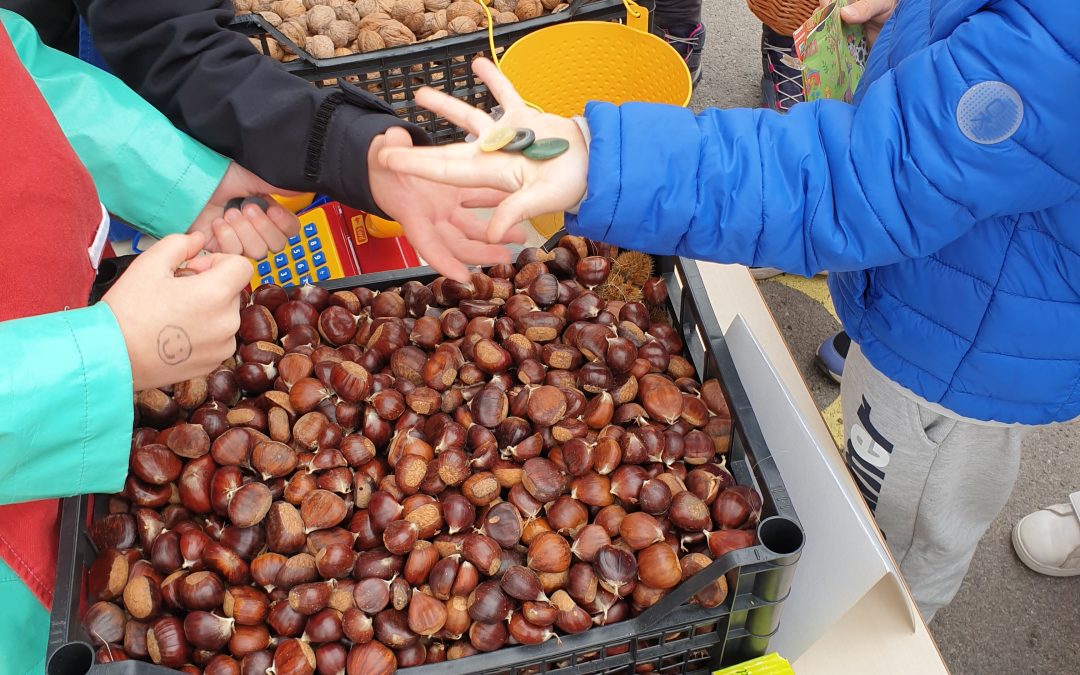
x: 342, y: 33
x: 369, y: 41
x: 528, y: 9
x: 319, y: 18
x: 394, y: 34
x: 319, y: 46
x: 461, y: 25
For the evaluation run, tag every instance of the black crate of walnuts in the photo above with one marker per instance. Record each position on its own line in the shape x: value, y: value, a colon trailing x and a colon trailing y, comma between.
x: 553, y: 469
x: 398, y: 59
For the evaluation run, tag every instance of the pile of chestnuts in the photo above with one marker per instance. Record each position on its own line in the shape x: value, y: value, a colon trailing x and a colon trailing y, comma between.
x: 379, y: 480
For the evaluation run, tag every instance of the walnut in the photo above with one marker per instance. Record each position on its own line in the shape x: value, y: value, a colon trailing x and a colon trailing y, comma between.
x: 466, y: 8
x: 242, y: 6
x: 295, y: 33
x: 334, y: 4
x: 403, y: 9
x: 275, y: 51
x: 504, y: 6
x: 347, y: 13
x: 503, y: 18
x: 395, y: 34
x: 343, y: 51
x: 373, y: 21
x: 271, y: 18
x: 528, y: 9
x: 319, y: 18
x: 370, y: 41
x: 319, y: 46
x: 386, y: 5
x: 436, y: 5
x: 261, y: 5
x: 437, y: 35
x: 462, y: 24
x: 287, y: 9
x: 366, y: 7
x: 550, y: 4
x: 341, y: 32
x: 441, y: 21
x: 429, y: 25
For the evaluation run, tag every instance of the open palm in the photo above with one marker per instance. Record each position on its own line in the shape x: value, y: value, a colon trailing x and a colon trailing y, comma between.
x: 438, y: 219
x: 532, y: 188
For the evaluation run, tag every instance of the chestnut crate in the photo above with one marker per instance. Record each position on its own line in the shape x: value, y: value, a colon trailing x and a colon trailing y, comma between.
x: 670, y: 638
x: 394, y: 74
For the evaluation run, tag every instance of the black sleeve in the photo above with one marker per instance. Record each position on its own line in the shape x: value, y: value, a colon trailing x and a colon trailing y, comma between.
x: 211, y: 82
x: 55, y: 20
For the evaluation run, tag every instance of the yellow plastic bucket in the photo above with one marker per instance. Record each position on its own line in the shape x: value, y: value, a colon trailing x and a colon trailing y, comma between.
x: 561, y: 68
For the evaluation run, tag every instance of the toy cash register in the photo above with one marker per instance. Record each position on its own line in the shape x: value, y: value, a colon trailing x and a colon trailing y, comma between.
x: 336, y: 241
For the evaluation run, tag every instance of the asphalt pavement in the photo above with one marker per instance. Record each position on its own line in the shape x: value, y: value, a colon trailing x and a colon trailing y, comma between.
x: 1006, y: 619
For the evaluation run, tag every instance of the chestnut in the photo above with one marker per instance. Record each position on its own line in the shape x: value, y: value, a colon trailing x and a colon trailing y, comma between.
x: 521, y: 583
x: 323, y: 626
x: 322, y: 509
x: 549, y: 552
x: 108, y: 575
x: 688, y: 512
x: 104, y: 623
x: 426, y: 615
x: 658, y: 566
x: 640, y: 530
x: 142, y: 598
x: 204, y: 630
x: 166, y: 642
x: 295, y: 657
x: 543, y: 479
x: 246, y: 605
x: 487, y: 603
x: 392, y: 629
x: 371, y: 658
x: 487, y: 637
x: 357, y: 626
x: 309, y: 598
x: 249, y: 504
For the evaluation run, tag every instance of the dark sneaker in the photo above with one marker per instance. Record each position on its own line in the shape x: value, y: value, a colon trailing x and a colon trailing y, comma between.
x: 781, y: 78
x: 688, y: 40
x: 832, y: 353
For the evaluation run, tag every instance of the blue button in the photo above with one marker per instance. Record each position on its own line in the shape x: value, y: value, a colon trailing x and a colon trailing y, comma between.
x: 310, y: 230
x: 284, y: 275
x: 323, y: 273
x: 264, y: 267
x: 297, y: 252
x: 267, y: 280
x: 314, y: 244
x: 301, y: 267
x: 319, y: 258
x: 305, y: 280
x: 294, y: 240
x: 280, y: 260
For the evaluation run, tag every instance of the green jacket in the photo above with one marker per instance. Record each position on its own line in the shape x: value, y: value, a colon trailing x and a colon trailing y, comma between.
x: 154, y: 177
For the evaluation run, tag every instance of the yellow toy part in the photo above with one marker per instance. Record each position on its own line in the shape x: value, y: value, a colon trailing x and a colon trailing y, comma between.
x: 770, y: 664
x: 295, y: 203
x: 560, y: 68
x: 310, y: 256
x: 381, y: 228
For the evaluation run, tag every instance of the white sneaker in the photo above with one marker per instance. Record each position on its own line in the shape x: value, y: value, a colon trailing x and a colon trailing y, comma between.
x: 1048, y: 541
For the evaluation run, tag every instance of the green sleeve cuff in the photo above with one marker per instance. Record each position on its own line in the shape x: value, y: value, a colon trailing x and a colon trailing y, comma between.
x: 66, y: 409
x: 146, y: 171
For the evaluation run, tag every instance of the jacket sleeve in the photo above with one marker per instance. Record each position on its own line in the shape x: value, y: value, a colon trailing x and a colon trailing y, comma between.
x: 831, y: 186
x: 66, y: 410
x: 212, y: 82
x: 145, y: 170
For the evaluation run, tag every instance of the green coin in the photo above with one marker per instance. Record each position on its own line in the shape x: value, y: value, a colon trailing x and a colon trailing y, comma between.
x: 547, y: 148
x: 523, y: 138
x: 497, y: 139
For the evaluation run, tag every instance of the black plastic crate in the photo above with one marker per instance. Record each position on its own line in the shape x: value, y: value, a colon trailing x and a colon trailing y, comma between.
x: 394, y: 74
x: 671, y: 637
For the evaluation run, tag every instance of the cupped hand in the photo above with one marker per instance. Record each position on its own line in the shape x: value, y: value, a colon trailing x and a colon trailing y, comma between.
x: 177, y: 328
x: 250, y: 231
x: 533, y: 188
x: 437, y: 218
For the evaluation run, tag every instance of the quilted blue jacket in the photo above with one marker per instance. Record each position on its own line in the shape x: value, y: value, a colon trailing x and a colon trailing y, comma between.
x: 945, y: 202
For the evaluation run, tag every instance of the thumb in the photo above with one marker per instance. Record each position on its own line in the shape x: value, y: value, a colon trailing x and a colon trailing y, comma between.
x: 397, y: 137
x: 518, y: 207
x: 224, y: 271
x: 175, y: 249
x: 864, y: 10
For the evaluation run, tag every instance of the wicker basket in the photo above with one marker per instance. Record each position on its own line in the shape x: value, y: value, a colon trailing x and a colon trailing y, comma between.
x: 783, y: 16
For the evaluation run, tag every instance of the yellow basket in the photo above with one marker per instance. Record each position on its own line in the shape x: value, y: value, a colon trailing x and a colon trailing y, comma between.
x: 560, y: 68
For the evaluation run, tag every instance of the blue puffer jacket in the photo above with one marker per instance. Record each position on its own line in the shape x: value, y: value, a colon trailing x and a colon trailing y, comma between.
x: 948, y: 197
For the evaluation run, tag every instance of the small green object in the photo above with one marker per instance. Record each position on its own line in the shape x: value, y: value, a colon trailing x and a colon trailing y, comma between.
x: 523, y: 138
x: 547, y: 148
x: 497, y: 139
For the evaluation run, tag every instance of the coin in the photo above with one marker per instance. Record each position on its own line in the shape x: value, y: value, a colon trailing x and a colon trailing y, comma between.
x: 497, y: 139
x: 547, y: 148
x: 522, y: 139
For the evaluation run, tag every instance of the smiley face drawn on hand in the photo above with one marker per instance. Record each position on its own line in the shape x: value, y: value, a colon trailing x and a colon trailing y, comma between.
x: 174, y: 345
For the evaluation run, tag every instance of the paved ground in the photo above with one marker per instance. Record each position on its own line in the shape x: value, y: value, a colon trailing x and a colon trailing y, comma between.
x: 1006, y: 619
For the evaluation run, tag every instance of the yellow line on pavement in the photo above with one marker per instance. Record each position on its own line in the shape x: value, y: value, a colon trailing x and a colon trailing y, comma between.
x: 814, y: 288
x: 833, y: 416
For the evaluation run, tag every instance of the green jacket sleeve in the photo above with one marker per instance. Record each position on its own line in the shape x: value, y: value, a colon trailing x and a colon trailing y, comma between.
x: 146, y: 171
x: 66, y: 410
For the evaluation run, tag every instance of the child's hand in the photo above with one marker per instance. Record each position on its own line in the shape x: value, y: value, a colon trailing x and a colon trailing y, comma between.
x: 176, y: 328
x: 872, y: 14
x: 251, y: 232
x: 534, y: 187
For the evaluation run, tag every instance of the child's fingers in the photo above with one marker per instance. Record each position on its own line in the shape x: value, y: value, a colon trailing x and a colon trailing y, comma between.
x: 517, y: 208
x: 865, y: 10
x: 494, y: 170
x: 474, y: 227
x: 471, y: 119
x: 284, y: 221
x: 226, y: 237
x: 265, y: 227
x: 224, y: 273
x: 174, y: 250
x: 475, y: 252
x: 199, y: 263
x: 252, y: 241
x: 431, y: 248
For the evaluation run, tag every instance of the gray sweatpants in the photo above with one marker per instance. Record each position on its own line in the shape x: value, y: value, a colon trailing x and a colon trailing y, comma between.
x: 934, y: 481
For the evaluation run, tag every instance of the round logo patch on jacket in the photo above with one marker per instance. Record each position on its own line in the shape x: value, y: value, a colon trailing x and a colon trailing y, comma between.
x: 989, y: 112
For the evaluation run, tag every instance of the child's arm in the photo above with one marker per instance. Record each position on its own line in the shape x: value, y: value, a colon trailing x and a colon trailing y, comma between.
x: 831, y: 186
